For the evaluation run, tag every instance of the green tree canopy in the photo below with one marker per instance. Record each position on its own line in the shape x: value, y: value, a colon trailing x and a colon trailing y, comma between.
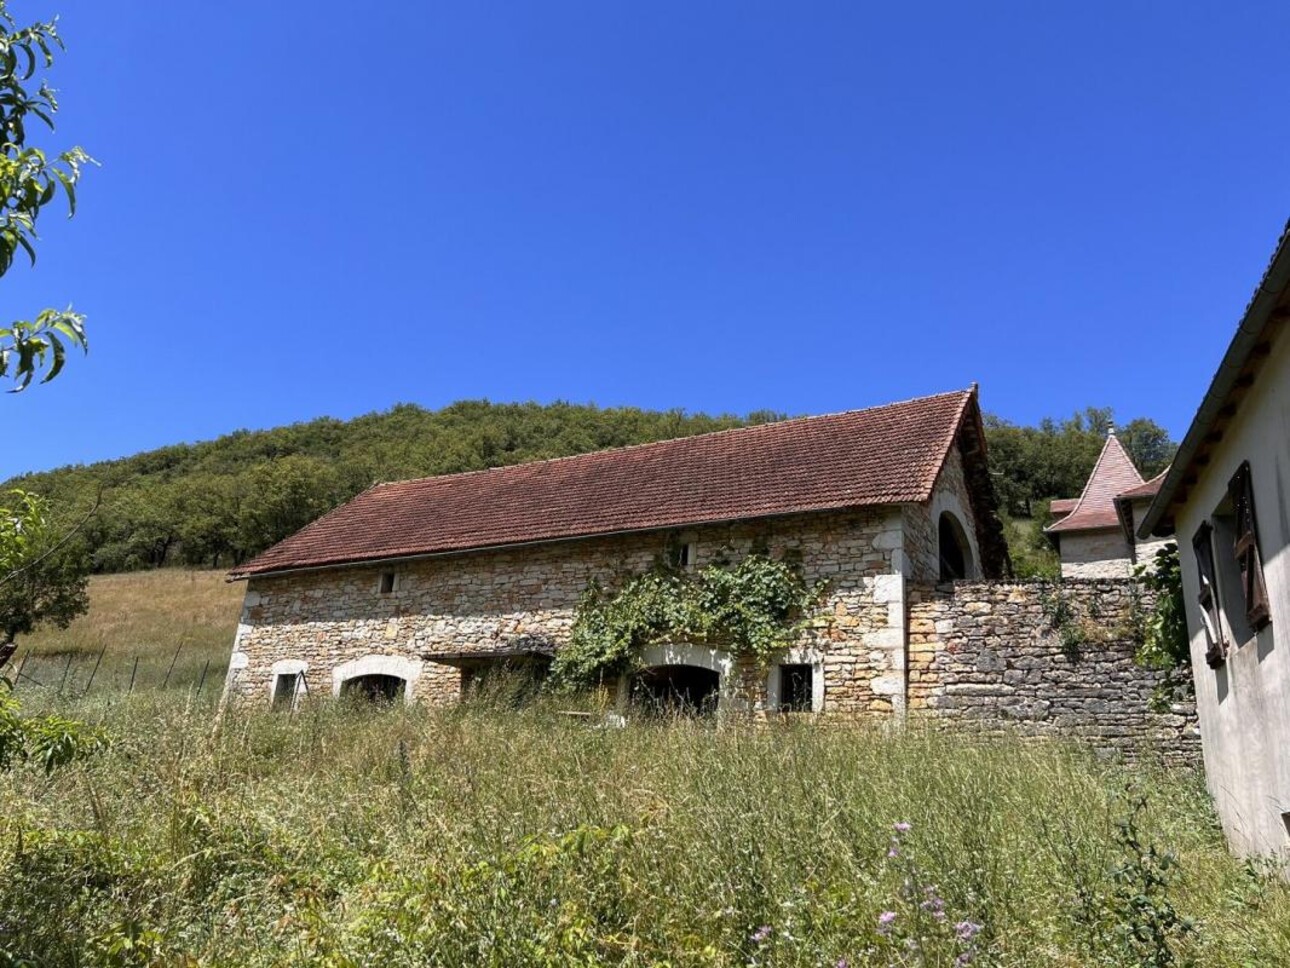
x: 44, y: 567
x: 31, y: 179
x: 1055, y: 458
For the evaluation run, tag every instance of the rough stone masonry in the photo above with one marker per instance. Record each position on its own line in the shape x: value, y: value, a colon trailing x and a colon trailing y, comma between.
x: 1048, y: 658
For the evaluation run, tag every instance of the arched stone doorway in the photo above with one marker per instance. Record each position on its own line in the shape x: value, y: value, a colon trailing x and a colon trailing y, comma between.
x: 377, y: 689
x: 678, y: 690
x: 954, y: 551
x: 391, y: 678
x: 686, y: 679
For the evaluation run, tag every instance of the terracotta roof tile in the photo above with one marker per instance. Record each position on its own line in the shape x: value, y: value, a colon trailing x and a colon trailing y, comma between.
x: 882, y: 455
x: 1113, y: 474
x: 1150, y: 489
x: 1060, y: 506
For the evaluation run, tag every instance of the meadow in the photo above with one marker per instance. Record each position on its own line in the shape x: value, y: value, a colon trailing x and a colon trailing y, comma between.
x: 345, y: 835
x: 168, y: 616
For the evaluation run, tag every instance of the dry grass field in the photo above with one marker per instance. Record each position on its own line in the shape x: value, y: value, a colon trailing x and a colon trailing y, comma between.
x: 156, y: 617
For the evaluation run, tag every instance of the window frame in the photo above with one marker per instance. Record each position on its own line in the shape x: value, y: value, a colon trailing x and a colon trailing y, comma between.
x: 806, y: 701
x: 1207, y: 594
x: 1245, y: 549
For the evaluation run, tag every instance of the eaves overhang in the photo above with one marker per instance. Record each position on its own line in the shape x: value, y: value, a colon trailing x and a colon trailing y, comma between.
x: 1264, y: 316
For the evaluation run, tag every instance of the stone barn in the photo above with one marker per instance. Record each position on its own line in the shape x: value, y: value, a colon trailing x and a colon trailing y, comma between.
x: 417, y: 588
x: 413, y: 591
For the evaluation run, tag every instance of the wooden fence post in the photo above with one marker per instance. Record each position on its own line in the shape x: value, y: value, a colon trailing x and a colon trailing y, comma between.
x: 17, y: 673
x: 172, y: 665
x: 70, y: 657
x: 95, y: 672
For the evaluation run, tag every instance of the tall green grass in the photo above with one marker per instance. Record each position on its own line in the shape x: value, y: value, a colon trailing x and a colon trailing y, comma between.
x: 484, y: 836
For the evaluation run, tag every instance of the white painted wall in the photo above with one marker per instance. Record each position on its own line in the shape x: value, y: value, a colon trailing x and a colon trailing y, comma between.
x: 1244, y: 706
x: 1144, y: 549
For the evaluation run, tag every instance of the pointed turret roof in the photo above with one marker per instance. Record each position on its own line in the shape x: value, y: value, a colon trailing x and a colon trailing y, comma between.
x: 1113, y: 475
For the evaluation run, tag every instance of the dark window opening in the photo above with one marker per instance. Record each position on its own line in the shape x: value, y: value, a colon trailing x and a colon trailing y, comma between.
x: 955, y: 554
x: 284, y: 690
x: 1228, y: 572
x: 1202, y: 545
x: 678, y: 690
x: 387, y: 582
x: 796, y: 688
x: 683, y: 555
x: 377, y: 689
x: 1245, y: 549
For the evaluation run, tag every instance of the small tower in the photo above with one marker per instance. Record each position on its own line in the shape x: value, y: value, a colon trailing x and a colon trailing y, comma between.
x: 1090, y: 535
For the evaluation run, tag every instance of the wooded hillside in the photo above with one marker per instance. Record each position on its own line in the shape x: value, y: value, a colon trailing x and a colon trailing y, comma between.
x: 219, y: 502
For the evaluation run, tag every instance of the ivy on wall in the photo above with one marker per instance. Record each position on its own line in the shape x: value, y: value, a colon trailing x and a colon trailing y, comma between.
x: 1165, y: 644
x: 754, y: 608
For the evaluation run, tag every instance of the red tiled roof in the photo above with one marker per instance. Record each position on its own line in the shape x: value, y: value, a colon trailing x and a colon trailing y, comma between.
x: 1059, y: 506
x: 883, y: 455
x: 1143, y: 491
x: 1113, y: 474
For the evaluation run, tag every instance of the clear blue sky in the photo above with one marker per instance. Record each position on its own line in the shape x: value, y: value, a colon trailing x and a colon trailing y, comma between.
x: 316, y: 208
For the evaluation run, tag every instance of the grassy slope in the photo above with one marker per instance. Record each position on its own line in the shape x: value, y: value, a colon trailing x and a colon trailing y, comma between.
x: 475, y: 836
x: 149, y: 615
x: 483, y: 837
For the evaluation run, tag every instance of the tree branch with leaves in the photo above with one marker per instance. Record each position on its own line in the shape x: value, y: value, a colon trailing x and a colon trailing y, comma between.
x: 30, y: 180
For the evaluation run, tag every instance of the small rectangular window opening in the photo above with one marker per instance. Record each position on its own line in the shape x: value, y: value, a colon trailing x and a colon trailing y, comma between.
x: 284, y: 690
x: 684, y: 555
x: 796, y: 684
x: 387, y: 583
x: 1285, y: 819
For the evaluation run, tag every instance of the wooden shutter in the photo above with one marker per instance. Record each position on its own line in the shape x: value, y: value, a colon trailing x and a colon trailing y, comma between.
x: 1241, y: 490
x: 1203, y: 546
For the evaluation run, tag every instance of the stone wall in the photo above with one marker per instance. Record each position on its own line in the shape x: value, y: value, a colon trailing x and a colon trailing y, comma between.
x: 1096, y: 554
x: 1049, y: 659
x: 493, y: 601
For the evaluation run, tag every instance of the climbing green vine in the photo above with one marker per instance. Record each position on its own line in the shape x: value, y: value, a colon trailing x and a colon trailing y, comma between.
x: 1165, y: 642
x: 753, y: 608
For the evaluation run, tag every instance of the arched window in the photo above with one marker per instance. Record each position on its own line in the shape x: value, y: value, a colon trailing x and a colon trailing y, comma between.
x: 953, y: 549
x: 374, y: 688
x: 384, y: 678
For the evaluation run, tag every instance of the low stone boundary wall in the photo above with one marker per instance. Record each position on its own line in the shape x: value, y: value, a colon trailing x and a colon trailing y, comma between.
x: 1049, y: 658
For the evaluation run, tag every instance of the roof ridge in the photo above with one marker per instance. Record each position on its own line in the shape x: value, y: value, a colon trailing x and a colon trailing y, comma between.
x: 454, y: 475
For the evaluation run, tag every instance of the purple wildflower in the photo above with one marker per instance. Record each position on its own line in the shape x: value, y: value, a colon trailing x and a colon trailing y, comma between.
x: 761, y: 934
x: 843, y: 963
x: 901, y: 828
x: 885, y: 921
x: 966, y: 930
